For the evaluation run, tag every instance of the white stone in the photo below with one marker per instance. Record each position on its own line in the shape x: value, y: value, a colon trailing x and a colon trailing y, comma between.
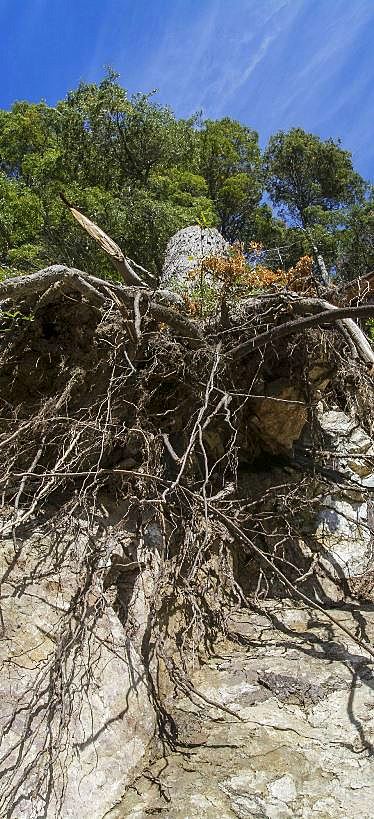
x: 283, y: 788
x: 342, y: 522
x: 336, y: 423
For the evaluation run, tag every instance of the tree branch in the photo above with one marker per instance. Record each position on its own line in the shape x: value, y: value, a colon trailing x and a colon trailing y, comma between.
x: 360, y: 288
x: 117, y: 257
x: 328, y: 316
x: 96, y: 292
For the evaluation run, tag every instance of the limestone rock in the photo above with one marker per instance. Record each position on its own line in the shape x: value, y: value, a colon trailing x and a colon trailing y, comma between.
x: 187, y: 248
x: 300, y: 756
x: 280, y: 416
x: 90, y: 698
x: 344, y: 521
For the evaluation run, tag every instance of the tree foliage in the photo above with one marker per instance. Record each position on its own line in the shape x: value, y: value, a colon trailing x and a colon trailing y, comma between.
x: 357, y: 242
x: 142, y: 174
x: 304, y: 172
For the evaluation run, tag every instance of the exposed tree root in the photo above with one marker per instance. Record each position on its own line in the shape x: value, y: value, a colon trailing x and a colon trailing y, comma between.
x: 125, y: 449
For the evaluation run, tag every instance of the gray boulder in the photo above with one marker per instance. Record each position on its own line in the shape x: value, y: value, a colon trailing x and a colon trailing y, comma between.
x: 186, y: 250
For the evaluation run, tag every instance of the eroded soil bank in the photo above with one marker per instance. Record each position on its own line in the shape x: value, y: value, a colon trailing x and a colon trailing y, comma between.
x: 162, y: 500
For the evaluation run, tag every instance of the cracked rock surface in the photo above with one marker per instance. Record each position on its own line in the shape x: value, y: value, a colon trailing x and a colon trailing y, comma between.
x: 303, y: 746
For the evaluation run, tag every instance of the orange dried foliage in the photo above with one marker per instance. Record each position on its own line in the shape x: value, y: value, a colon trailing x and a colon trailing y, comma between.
x: 192, y: 306
x: 233, y: 270
x: 300, y: 276
x: 262, y: 276
x: 255, y: 247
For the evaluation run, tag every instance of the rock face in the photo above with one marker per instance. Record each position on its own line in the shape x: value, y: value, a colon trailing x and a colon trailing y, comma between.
x: 344, y: 524
x: 89, y: 698
x: 304, y: 745
x: 186, y: 250
x: 280, y: 416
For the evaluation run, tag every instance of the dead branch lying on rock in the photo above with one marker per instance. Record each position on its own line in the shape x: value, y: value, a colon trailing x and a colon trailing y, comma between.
x: 97, y: 291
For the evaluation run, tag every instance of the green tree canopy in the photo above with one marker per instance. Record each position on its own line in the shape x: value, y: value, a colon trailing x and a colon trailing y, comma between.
x: 141, y: 174
x: 304, y: 172
x: 356, y: 242
x: 127, y: 161
x: 230, y: 161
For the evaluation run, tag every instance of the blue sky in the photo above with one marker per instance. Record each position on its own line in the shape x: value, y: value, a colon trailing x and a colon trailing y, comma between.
x: 273, y: 64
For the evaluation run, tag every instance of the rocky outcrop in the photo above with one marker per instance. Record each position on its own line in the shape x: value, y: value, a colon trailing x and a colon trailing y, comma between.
x: 74, y: 682
x: 279, y: 416
x: 302, y: 743
x: 152, y: 482
x: 345, y: 519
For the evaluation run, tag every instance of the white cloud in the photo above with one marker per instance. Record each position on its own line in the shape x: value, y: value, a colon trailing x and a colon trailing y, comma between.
x: 270, y: 63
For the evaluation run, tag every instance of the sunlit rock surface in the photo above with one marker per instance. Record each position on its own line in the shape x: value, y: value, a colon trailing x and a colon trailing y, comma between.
x: 89, y: 700
x: 304, y: 745
x: 186, y: 250
x: 344, y: 525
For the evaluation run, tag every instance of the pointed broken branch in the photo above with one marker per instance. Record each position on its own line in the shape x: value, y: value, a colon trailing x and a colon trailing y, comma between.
x: 117, y: 257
